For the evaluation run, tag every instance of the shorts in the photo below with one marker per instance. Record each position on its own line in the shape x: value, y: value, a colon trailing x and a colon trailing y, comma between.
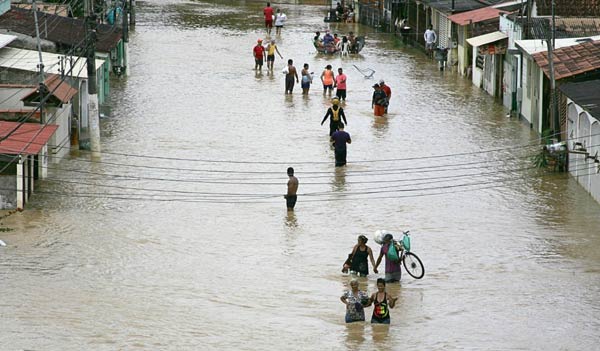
x: 327, y: 86
x: 305, y: 85
x: 258, y: 61
x: 279, y: 26
x: 290, y: 200
x: 375, y: 320
x: 341, y: 93
x: 379, y: 110
x: 429, y: 46
x: 269, y: 23
x: 270, y: 58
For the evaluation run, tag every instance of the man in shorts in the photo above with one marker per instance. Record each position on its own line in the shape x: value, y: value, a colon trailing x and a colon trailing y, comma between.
x: 268, y: 12
x: 259, y: 55
x: 292, y: 188
x: 340, y: 84
x: 271, y: 50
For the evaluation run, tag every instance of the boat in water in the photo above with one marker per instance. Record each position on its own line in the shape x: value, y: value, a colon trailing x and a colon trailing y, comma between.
x: 336, y: 49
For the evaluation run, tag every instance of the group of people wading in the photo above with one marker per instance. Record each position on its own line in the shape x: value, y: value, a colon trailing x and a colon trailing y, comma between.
x: 358, y: 263
x: 355, y: 299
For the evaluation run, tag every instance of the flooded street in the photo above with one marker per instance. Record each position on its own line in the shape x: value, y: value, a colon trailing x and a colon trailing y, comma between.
x: 179, y: 239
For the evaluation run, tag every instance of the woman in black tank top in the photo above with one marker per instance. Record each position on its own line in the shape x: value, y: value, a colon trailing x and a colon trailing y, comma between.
x: 360, y: 255
x: 381, y: 304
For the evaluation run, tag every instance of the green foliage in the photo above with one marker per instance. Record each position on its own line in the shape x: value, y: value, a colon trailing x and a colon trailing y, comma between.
x: 540, y: 160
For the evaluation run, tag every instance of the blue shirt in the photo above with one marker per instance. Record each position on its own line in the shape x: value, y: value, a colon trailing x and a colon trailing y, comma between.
x: 340, y: 138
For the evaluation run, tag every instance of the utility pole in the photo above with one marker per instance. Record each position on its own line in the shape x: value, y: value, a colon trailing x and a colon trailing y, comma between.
x: 93, y: 115
x: 132, y: 12
x: 125, y: 62
x: 554, y: 103
x: 41, y: 87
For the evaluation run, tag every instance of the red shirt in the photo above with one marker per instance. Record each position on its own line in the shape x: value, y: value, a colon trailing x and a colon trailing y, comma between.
x: 259, y: 51
x: 386, y: 90
x: 268, y: 11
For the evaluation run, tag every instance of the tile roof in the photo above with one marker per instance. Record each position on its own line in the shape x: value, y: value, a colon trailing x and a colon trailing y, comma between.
x: 584, y: 8
x: 29, y: 138
x: 572, y: 60
x: 474, y: 16
x: 60, y: 89
x: 582, y: 94
x: 62, y: 30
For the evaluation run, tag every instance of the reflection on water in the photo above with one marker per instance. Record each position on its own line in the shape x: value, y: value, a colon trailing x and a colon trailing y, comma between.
x: 290, y: 220
x: 339, y: 179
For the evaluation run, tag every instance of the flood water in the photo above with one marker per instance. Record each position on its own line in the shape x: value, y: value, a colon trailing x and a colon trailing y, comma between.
x: 178, y: 239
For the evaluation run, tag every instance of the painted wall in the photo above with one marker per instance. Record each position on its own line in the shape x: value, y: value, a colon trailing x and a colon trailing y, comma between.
x: 4, y: 6
x: 584, y: 128
x: 60, y: 143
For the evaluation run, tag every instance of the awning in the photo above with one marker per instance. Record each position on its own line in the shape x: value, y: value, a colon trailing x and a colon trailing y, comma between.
x: 487, y: 38
x: 6, y: 39
x: 24, y: 138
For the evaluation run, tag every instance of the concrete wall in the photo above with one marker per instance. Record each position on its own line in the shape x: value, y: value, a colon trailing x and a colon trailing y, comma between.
x: 585, y: 129
x: 8, y: 193
x: 11, y: 97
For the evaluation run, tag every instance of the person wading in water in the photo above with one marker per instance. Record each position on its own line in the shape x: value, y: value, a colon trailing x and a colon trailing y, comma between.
x: 360, y: 255
x: 335, y: 114
x: 292, y: 188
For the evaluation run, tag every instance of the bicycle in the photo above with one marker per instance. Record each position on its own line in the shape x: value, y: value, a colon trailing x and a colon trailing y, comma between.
x: 411, y: 262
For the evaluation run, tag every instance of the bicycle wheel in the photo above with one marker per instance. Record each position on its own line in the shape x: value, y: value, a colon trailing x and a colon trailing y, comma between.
x: 413, y: 265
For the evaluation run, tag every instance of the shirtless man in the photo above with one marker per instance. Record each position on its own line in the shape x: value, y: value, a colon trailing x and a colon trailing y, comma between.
x: 292, y: 188
x: 290, y: 76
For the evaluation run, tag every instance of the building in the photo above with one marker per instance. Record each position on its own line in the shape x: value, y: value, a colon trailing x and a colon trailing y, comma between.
x: 583, y: 133
x: 23, y: 159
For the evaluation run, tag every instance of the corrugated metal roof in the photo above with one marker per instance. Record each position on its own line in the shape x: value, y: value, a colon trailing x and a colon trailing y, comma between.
x: 458, y: 5
x: 66, y: 31
x: 27, y: 60
x: 28, y: 139
x: 532, y: 46
x: 487, y: 38
x: 6, y: 39
x: 479, y: 15
x: 584, y: 94
x: 572, y: 60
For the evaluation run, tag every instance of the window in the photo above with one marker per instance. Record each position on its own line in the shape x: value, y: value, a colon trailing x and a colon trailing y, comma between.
x: 479, y: 61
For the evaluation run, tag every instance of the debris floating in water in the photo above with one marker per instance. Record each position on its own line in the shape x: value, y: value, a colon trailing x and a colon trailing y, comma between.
x: 2, y: 243
x: 367, y: 72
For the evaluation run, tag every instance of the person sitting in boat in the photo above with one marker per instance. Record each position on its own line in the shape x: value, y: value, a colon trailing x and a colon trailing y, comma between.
x: 328, y: 42
x: 352, y: 40
x: 337, y: 42
x: 349, y: 15
x: 317, y: 41
x: 340, y: 10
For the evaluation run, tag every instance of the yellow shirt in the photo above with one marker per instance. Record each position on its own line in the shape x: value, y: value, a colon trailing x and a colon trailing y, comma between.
x: 271, y: 49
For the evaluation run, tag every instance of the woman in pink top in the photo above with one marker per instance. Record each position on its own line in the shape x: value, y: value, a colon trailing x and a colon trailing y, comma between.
x: 328, y: 79
x: 340, y: 83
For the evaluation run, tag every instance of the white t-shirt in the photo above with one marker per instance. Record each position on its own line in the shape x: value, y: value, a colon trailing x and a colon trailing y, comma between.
x: 280, y: 18
x: 430, y: 36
